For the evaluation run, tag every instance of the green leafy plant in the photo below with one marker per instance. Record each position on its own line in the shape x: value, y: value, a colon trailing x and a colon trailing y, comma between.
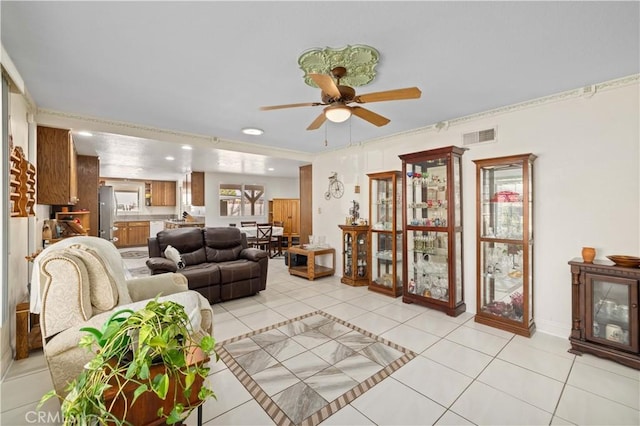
x: 128, y: 346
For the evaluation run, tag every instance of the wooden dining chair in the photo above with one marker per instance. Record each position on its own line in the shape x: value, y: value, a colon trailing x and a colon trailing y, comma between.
x: 264, y: 232
x: 276, y: 240
x: 248, y: 223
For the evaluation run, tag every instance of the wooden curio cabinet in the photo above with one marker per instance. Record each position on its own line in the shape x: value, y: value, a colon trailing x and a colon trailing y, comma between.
x: 604, y: 311
x: 504, y: 243
x: 432, y: 229
x: 385, y: 218
x: 355, y: 255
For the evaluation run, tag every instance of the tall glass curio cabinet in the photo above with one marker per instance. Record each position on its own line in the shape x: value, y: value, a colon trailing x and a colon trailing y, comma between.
x: 504, y: 243
x: 385, y: 217
x: 432, y: 229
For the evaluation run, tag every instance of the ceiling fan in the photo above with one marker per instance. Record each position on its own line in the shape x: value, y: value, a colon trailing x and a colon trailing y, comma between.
x: 337, y: 97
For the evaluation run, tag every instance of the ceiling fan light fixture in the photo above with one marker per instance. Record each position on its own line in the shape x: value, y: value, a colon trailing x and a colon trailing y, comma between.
x: 337, y: 113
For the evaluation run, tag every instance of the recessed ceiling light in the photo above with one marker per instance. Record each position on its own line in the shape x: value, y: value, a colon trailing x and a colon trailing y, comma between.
x: 271, y: 169
x: 252, y: 131
x: 85, y: 133
x: 187, y: 147
x: 169, y: 158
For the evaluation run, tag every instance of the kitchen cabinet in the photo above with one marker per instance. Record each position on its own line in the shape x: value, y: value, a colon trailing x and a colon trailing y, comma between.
x: 287, y: 211
x: 57, y: 180
x: 163, y: 193
x: 504, y: 243
x: 197, y: 188
x: 432, y: 229
x: 385, y: 217
x: 355, y: 255
x: 132, y: 234
x: 604, y: 311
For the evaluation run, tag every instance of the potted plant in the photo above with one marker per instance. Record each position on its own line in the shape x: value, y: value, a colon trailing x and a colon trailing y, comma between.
x: 148, y: 362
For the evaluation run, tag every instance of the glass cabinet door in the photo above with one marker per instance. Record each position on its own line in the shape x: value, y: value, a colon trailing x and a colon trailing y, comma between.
x: 610, y: 312
x: 504, y: 243
x: 363, y: 253
x: 433, y: 229
x: 386, y: 232
x: 348, y: 254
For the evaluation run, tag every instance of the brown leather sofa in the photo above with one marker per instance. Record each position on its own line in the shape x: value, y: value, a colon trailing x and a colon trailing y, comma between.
x: 219, y: 264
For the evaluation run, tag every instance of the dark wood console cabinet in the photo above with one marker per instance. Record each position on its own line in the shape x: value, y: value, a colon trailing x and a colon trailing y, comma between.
x: 604, y: 309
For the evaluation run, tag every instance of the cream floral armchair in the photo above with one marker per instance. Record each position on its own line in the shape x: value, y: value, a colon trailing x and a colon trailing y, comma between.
x: 81, y: 281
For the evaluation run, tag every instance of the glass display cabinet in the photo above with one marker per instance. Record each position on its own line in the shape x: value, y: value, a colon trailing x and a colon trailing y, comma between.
x: 604, y: 310
x: 504, y: 243
x: 432, y: 229
x: 355, y: 255
x: 385, y: 217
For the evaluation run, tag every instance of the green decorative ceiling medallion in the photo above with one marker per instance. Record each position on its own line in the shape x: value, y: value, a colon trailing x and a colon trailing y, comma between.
x: 359, y: 60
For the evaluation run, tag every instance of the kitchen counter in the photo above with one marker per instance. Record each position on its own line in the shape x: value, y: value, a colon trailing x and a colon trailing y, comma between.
x: 142, y: 217
x: 173, y: 224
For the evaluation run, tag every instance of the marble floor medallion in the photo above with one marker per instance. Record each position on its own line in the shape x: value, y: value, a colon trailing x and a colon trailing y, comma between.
x: 303, y: 370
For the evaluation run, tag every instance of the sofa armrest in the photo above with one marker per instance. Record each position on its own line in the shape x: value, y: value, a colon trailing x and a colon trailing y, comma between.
x: 161, y: 265
x: 150, y: 287
x: 253, y: 254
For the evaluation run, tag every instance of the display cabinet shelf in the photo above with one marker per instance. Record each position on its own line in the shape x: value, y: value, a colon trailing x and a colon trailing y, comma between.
x: 504, y: 243
x: 385, y: 217
x: 432, y: 229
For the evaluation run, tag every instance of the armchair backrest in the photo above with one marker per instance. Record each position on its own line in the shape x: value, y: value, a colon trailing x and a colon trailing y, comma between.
x: 78, y: 278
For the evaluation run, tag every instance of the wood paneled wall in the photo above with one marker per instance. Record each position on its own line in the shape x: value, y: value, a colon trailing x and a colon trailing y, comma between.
x: 88, y: 176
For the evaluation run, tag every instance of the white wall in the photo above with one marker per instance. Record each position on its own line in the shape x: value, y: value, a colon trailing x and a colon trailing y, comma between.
x: 274, y: 188
x: 19, y: 238
x: 587, y: 185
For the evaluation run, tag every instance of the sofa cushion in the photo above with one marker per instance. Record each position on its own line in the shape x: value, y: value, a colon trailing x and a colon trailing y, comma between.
x: 202, y: 275
x: 188, y: 241
x: 102, y: 286
x: 222, y: 244
x: 238, y: 270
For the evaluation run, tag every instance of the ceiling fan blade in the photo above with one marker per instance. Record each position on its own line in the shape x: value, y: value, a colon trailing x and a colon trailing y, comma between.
x: 370, y: 116
x: 269, y: 108
x: 326, y: 83
x: 317, y: 122
x: 389, y: 95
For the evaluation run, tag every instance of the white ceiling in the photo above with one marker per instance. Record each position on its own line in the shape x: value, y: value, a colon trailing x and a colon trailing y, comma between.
x: 205, y: 68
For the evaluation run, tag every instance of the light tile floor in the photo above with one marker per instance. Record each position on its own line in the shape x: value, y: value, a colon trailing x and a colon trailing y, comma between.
x: 466, y: 373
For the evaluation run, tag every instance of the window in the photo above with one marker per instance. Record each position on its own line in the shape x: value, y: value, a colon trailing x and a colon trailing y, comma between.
x: 241, y: 200
x: 127, y: 201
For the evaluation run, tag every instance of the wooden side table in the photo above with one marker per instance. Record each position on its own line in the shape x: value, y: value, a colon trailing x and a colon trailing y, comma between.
x: 28, y: 335
x: 312, y: 270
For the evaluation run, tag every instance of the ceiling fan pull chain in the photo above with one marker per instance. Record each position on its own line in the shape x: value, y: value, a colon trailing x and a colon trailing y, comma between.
x: 325, y: 135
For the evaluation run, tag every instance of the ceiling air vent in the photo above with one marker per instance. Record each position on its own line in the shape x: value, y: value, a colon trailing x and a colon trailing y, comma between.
x: 480, y: 136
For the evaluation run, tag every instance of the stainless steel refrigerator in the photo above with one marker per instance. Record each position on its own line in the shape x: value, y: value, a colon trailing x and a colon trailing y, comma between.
x: 107, y: 204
